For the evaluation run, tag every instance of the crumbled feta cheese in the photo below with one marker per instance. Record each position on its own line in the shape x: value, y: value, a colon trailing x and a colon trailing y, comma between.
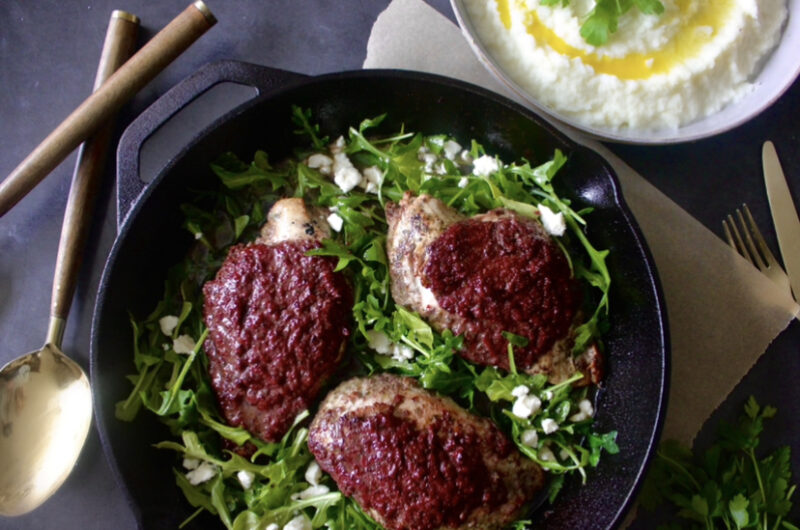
x: 191, y: 463
x: 465, y: 158
x: 245, y: 479
x: 485, y: 166
x: 519, y: 391
x: 525, y: 406
x: 373, y: 174
x: 578, y: 416
x: 318, y: 160
x: 373, y: 178
x: 422, y: 150
x: 451, y: 149
x: 313, y: 473
x: 429, y: 159
x: 546, y: 454
x: 201, y: 473
x: 168, y: 324
x: 585, y: 411
x: 311, y: 492
x: 440, y: 169
x: 549, y: 425
x: 301, y: 522
x: 402, y: 353
x: 553, y: 222
x: 380, y: 342
x: 345, y: 175
x: 548, y: 395
x: 272, y: 526
x: 337, y: 146
x: 347, y: 178
x: 198, y: 235
x: 165, y: 346
x: 335, y: 221
x: 183, y: 344
x: 462, y: 183
x: 529, y: 437
x: 323, y: 163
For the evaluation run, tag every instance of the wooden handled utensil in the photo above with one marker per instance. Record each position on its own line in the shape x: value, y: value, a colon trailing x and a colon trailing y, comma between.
x: 139, y: 70
x: 45, y: 398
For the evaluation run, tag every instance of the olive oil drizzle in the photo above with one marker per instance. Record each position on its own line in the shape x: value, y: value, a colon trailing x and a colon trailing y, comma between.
x: 701, y: 21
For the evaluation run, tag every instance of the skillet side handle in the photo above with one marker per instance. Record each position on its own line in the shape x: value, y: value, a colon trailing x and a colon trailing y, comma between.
x: 129, y: 182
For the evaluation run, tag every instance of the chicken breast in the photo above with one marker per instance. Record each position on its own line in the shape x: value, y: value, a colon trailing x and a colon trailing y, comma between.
x: 415, y: 460
x: 484, y: 277
x: 291, y: 220
x: 278, y: 322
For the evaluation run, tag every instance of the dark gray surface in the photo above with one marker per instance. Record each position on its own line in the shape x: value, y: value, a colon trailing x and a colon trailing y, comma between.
x: 48, y: 55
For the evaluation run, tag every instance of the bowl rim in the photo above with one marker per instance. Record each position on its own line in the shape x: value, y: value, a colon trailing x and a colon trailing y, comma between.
x: 784, y: 50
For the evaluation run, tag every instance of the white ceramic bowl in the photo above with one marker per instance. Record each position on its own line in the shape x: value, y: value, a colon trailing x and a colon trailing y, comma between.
x: 780, y: 70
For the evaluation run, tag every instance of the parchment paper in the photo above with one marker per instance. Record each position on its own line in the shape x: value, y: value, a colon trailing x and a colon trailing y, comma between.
x: 722, y: 312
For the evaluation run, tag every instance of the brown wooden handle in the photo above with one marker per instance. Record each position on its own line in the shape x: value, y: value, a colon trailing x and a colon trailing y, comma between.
x: 119, y: 45
x: 161, y: 50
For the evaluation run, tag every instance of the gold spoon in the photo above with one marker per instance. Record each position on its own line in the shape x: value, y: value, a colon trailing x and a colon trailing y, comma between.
x: 45, y: 398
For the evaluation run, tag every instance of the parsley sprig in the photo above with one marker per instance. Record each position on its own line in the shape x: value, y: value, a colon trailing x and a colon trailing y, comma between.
x: 728, y: 486
x: 603, y: 19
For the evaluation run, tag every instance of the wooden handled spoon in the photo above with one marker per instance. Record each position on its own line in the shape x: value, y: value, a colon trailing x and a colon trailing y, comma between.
x: 45, y: 399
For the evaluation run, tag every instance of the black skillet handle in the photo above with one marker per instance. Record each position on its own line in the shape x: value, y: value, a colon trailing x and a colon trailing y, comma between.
x: 129, y: 182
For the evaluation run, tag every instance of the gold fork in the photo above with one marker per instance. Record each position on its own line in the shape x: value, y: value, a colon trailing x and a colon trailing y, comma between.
x: 753, y: 247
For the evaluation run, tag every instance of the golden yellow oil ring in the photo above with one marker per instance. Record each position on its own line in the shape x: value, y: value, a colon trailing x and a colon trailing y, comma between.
x: 695, y: 32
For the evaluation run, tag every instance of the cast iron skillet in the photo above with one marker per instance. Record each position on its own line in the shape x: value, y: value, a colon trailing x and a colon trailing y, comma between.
x: 151, y: 239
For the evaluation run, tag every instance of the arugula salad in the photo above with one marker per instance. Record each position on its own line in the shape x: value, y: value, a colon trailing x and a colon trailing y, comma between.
x: 280, y: 486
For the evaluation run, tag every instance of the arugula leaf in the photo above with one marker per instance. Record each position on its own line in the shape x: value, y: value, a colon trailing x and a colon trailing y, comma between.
x: 515, y: 340
x: 235, y: 174
x: 301, y: 117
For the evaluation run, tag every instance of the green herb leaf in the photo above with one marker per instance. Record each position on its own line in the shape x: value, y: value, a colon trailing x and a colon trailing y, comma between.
x: 603, y: 20
x: 738, y: 509
x: 728, y: 486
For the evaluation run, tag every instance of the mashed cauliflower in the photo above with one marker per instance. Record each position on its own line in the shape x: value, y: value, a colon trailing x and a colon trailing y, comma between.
x: 655, y: 72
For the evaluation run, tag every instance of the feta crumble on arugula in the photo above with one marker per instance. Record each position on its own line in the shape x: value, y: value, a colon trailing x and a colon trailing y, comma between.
x: 281, y: 486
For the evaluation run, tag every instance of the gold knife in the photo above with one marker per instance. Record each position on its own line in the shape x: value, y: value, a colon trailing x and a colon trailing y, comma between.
x: 784, y: 215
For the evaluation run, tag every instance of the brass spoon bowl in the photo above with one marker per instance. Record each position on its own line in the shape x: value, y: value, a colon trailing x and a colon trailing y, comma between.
x: 45, y: 414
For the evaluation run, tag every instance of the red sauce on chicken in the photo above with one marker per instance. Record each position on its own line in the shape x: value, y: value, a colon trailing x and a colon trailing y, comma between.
x: 504, y: 275
x: 277, y: 321
x: 427, y: 478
